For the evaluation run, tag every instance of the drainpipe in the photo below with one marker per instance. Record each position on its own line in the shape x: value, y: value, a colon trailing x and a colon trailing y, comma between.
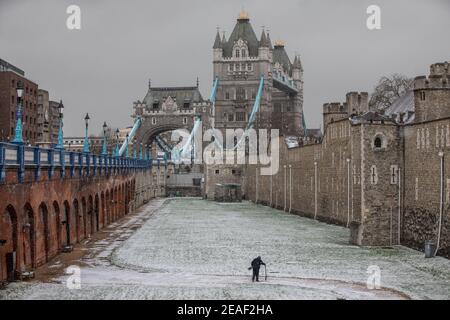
x: 290, y: 188
x: 348, y: 192
x: 315, y: 189
x: 285, y: 182
x: 441, y: 204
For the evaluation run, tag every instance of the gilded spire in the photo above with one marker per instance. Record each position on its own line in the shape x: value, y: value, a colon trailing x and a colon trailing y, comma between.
x: 279, y: 43
x: 243, y: 15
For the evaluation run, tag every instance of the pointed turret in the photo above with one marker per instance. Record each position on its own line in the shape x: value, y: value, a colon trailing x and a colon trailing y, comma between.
x: 217, y: 41
x: 280, y: 56
x: 263, y: 42
x: 242, y: 30
x: 297, y: 63
x: 224, y: 39
x: 218, y: 47
x: 269, y: 41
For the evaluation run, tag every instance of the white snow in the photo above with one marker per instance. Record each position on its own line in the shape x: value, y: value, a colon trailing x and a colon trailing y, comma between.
x: 196, y: 249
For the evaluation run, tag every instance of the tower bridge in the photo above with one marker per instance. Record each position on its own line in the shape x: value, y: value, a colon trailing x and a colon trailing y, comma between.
x: 239, y: 62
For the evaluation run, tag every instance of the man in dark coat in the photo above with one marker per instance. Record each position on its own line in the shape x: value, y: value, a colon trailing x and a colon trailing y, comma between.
x: 256, y: 264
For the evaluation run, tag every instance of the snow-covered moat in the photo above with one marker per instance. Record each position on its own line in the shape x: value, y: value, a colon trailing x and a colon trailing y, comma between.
x: 196, y: 249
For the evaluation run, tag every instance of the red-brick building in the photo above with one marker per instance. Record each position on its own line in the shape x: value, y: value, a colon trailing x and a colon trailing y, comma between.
x: 9, y: 76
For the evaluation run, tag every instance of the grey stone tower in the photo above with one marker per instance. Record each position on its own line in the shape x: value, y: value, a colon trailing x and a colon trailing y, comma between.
x: 239, y: 63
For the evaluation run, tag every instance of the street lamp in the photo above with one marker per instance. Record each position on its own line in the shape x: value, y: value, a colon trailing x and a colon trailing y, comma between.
x: 104, y: 152
x: 126, y: 146
x: 60, y: 144
x: 117, y: 142
x: 86, y: 141
x: 18, y: 137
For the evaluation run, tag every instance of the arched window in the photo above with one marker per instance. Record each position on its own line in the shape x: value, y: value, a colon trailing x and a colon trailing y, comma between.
x: 237, y: 53
x: 243, y: 53
x: 378, y: 143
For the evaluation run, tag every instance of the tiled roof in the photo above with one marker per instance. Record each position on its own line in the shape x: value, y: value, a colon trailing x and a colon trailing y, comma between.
x: 243, y: 30
x: 180, y: 94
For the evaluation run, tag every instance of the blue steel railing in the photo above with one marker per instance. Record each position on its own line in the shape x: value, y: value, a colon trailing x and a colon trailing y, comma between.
x: 46, y: 161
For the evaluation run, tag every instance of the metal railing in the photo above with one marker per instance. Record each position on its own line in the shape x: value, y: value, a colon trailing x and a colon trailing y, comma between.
x: 47, y: 161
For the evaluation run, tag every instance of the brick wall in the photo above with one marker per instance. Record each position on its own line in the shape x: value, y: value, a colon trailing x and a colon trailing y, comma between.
x: 40, y: 218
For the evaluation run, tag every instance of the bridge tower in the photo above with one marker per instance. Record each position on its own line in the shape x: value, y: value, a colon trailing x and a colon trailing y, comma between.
x: 238, y: 63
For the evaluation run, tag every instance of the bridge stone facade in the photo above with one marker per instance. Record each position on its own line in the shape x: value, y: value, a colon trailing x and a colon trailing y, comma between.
x: 239, y: 62
x: 53, y: 199
x: 169, y: 108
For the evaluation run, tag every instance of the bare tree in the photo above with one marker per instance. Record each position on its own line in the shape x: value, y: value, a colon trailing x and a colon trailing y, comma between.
x: 388, y: 90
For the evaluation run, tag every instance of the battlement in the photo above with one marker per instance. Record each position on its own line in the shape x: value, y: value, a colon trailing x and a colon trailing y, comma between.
x: 432, y: 82
x: 335, y: 107
x: 440, y: 68
x: 439, y: 77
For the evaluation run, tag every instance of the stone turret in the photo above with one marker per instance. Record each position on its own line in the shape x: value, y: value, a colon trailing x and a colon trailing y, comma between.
x: 297, y: 69
x: 432, y: 93
x: 264, y: 47
x: 217, y: 47
x: 357, y: 103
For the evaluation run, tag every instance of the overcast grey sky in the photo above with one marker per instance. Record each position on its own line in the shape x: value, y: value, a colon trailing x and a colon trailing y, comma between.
x: 105, y: 66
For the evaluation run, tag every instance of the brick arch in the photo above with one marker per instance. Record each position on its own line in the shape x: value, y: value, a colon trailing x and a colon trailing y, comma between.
x: 55, y: 228
x: 111, y: 205
x: 43, y: 233
x: 103, y: 209
x: 90, y: 214
x: 122, y: 200
x: 96, y: 213
x: 29, y: 237
x: 116, y: 203
x: 66, y: 236
x: 127, y: 196
x: 9, y: 251
x: 84, y: 224
x: 76, y: 219
x: 108, y: 207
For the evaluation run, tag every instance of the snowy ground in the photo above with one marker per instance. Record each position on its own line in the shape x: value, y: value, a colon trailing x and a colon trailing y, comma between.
x: 195, y: 249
